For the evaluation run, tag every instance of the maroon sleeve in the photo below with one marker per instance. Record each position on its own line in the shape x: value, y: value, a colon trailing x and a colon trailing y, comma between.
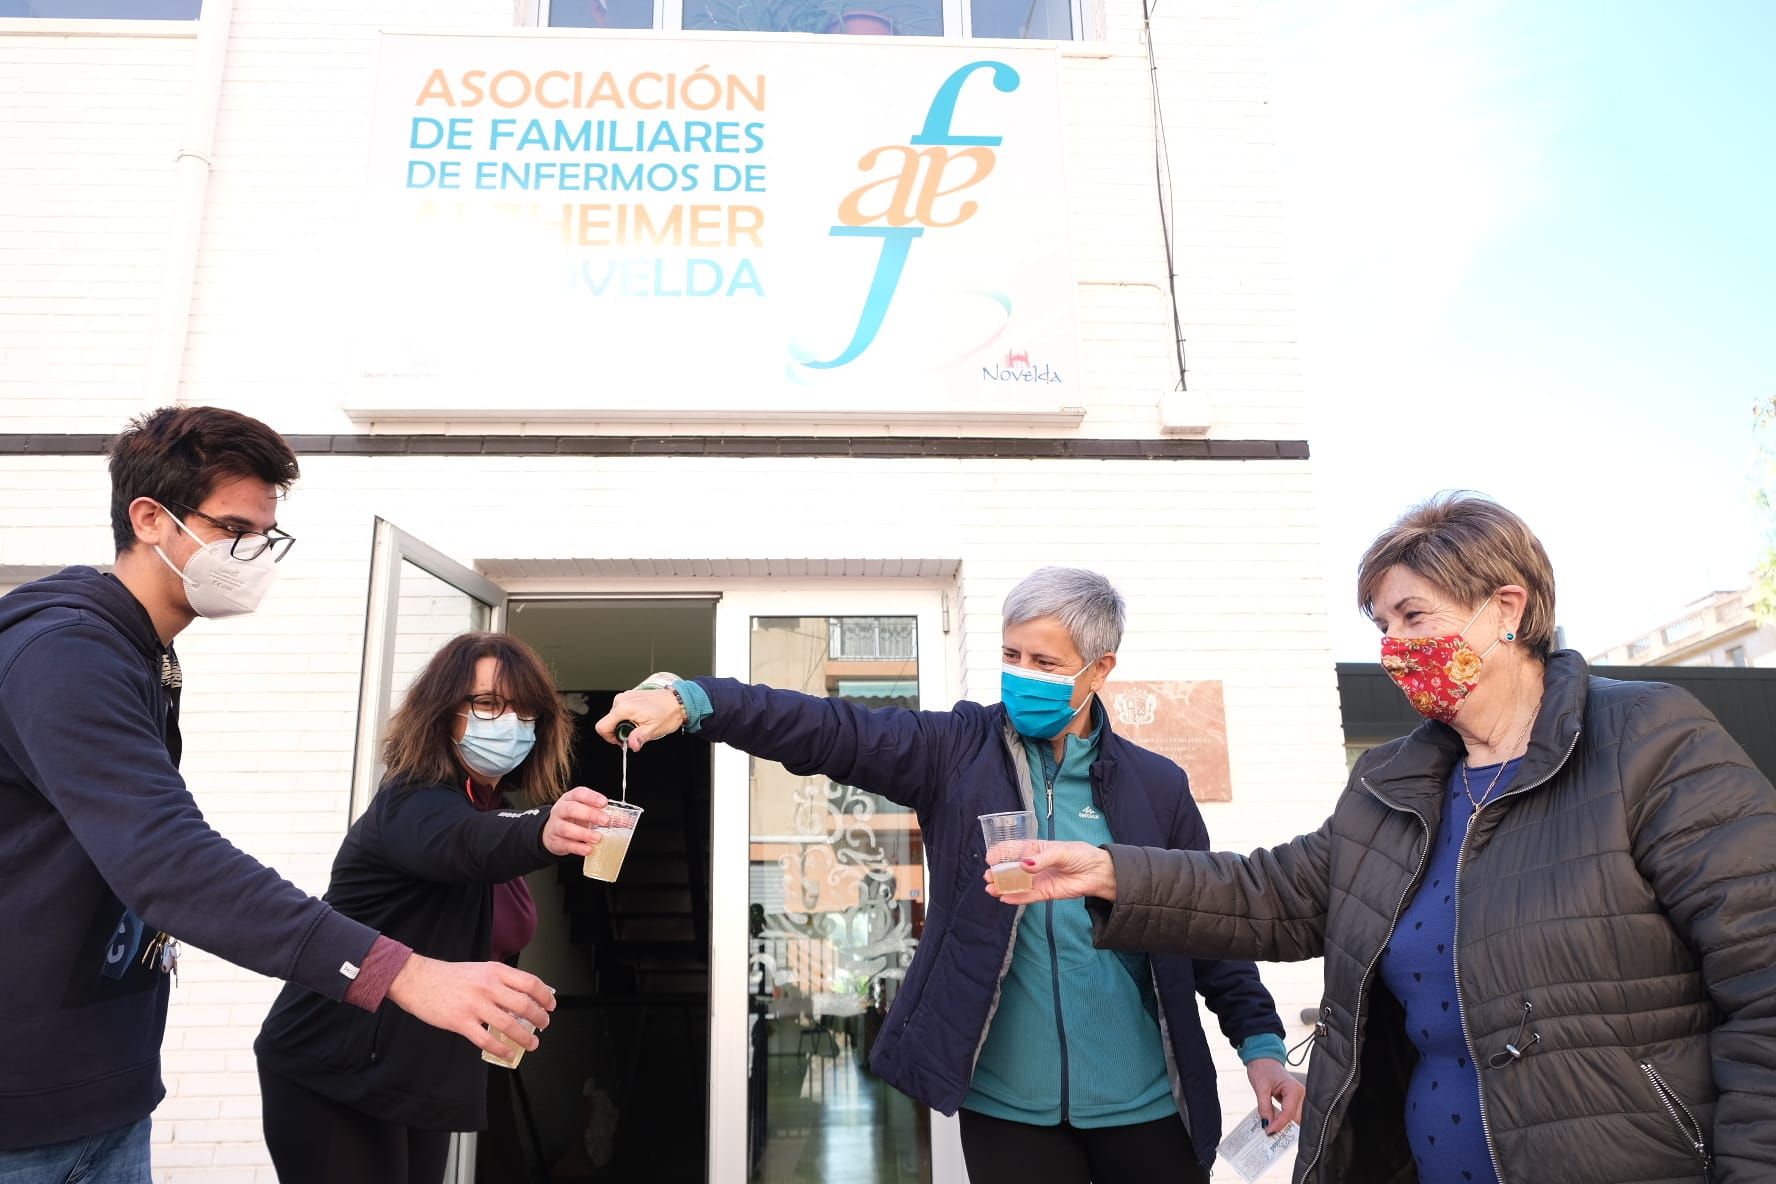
x: 377, y: 974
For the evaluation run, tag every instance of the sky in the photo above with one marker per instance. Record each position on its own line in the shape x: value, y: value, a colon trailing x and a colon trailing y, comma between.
x: 1534, y: 257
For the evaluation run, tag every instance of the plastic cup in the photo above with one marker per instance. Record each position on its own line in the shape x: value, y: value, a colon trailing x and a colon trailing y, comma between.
x: 517, y: 1051
x: 606, y: 859
x: 1011, y: 836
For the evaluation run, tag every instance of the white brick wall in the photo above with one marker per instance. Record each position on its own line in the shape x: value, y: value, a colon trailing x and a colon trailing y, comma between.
x: 88, y: 129
x: 431, y: 613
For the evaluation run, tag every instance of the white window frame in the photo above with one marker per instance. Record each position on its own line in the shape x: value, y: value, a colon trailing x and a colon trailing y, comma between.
x: 957, y: 14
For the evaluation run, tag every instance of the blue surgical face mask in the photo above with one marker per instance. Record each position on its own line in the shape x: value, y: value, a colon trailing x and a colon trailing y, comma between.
x: 1040, y: 704
x: 494, y: 747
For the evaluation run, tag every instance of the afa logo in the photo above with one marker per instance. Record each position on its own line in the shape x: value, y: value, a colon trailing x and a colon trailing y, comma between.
x: 900, y: 206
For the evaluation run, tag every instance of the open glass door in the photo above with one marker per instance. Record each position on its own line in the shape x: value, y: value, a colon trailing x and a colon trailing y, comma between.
x: 419, y: 599
x: 808, y: 956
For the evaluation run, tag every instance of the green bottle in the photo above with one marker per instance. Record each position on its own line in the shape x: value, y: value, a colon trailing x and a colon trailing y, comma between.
x: 658, y: 681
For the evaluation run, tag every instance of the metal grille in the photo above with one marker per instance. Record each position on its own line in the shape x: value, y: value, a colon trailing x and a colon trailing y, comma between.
x: 873, y: 639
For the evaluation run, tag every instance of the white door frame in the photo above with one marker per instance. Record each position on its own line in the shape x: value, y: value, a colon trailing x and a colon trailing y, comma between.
x: 730, y: 839
x: 390, y: 547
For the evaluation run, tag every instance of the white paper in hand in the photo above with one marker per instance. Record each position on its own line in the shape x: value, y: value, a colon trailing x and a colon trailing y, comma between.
x: 1250, y: 1152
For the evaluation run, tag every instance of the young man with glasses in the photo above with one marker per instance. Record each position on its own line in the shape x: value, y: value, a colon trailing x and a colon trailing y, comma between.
x: 106, y: 861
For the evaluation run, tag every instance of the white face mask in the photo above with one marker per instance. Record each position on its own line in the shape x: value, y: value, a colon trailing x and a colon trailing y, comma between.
x: 216, y: 583
x: 494, y: 747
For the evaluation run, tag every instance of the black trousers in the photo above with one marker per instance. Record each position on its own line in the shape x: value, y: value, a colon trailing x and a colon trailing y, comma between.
x: 315, y: 1140
x: 1001, y: 1152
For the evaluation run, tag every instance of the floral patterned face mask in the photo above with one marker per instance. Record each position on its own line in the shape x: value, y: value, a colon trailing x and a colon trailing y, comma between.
x: 1436, y: 674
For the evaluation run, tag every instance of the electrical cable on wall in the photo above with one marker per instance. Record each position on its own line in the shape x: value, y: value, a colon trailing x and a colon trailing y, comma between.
x: 1162, y: 179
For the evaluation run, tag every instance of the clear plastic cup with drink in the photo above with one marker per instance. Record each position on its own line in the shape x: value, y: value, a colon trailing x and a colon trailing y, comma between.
x: 606, y: 859
x: 1011, y: 837
x: 515, y: 1051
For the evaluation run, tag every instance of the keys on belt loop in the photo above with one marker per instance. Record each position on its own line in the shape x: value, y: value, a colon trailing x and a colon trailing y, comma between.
x: 162, y: 954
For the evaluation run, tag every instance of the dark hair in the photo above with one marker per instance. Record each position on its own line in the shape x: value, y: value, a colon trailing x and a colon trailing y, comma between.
x: 1469, y: 546
x: 178, y: 455
x: 420, y: 746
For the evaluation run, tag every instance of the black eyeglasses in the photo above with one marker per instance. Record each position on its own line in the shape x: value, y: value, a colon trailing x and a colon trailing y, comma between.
x: 248, y: 545
x: 492, y: 707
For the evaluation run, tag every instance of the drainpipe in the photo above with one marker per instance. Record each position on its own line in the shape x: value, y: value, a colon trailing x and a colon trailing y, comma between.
x: 166, y: 358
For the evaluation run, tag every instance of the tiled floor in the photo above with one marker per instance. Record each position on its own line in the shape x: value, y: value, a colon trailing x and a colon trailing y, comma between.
x: 829, y: 1122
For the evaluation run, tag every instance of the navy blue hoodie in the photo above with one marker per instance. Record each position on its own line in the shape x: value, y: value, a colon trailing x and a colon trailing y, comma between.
x: 97, y: 829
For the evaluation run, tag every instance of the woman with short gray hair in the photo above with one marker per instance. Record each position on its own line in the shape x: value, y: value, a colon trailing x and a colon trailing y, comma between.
x: 1548, y: 915
x: 1069, y: 1065
x: 1086, y: 604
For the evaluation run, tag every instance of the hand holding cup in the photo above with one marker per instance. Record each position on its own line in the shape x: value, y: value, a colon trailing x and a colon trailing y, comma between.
x: 574, y: 821
x: 1059, y: 871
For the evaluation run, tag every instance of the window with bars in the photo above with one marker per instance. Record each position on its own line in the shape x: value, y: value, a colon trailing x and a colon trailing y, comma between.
x: 1678, y: 631
x: 873, y: 639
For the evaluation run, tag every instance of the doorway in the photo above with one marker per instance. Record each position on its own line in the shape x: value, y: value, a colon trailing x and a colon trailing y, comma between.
x: 700, y: 1038
x: 810, y: 958
x: 616, y: 1093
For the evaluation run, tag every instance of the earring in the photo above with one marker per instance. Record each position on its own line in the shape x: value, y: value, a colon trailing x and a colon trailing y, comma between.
x: 1510, y: 637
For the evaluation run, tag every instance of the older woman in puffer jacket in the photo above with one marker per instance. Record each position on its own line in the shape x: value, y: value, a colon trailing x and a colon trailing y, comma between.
x: 1548, y: 915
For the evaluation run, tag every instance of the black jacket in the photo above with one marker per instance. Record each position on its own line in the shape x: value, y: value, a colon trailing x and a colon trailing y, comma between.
x: 419, y: 865
x: 951, y: 767
x: 94, y: 817
x: 1623, y: 890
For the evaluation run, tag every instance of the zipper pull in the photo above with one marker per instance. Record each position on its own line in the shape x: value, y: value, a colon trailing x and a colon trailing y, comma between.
x: 1321, y: 1029
x: 1051, y: 805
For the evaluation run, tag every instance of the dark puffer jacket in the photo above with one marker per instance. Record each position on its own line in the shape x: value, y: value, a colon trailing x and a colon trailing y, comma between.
x: 1616, y: 924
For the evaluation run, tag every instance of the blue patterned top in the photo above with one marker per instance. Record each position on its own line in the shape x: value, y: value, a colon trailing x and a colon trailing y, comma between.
x: 1443, y: 1100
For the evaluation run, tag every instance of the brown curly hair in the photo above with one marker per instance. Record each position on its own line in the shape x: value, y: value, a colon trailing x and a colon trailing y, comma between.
x: 420, y: 746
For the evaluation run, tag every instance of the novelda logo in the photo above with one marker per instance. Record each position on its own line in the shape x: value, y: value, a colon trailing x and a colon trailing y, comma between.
x: 1016, y: 366
x: 902, y: 205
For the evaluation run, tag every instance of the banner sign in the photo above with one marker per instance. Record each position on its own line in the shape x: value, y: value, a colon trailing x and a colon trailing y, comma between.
x: 619, y: 220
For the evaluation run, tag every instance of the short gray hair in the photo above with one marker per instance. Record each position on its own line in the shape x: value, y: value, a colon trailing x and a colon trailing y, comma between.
x: 1084, y: 602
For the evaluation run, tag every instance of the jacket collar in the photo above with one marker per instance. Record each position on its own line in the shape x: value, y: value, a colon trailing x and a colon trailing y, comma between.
x: 1078, y: 753
x: 1102, y: 769
x: 1415, y: 774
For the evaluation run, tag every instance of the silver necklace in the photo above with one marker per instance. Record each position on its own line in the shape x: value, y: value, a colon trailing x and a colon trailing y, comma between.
x: 1487, y: 795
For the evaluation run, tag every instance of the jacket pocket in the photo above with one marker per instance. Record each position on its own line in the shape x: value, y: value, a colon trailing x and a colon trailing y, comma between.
x: 1688, y: 1128
x: 914, y: 990
x: 382, y: 1033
